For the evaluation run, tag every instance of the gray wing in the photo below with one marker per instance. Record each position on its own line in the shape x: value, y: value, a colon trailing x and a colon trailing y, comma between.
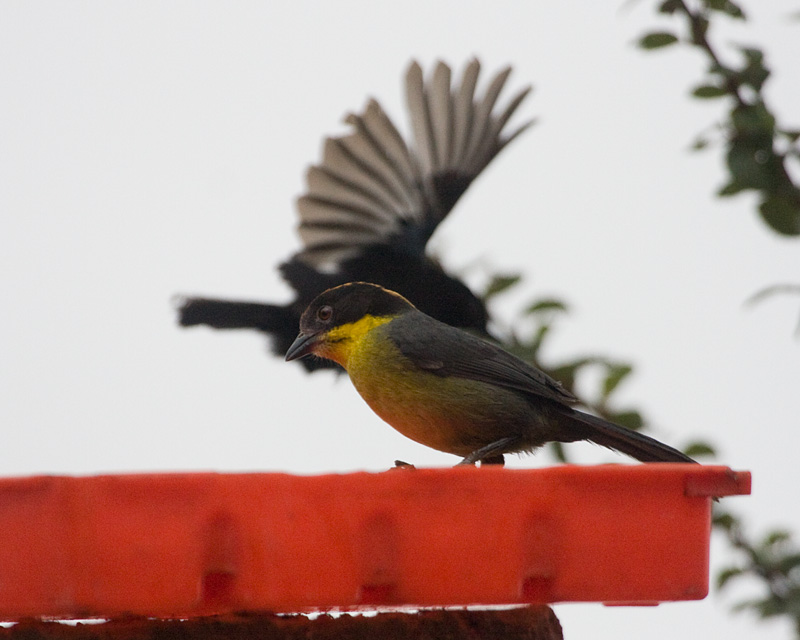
x: 446, y: 351
x: 373, y: 188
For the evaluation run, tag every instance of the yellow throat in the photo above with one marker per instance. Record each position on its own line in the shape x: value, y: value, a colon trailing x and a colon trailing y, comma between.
x: 340, y: 341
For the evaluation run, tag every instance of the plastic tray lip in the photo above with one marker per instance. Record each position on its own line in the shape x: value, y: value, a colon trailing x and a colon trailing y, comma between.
x: 394, y: 533
x: 713, y: 481
x: 567, y: 468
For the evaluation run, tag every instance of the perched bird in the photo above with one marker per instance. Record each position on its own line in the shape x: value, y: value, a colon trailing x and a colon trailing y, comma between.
x: 375, y: 200
x: 448, y: 389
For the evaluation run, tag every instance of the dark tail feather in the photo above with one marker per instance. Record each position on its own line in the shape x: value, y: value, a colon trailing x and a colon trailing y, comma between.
x: 230, y: 314
x: 632, y: 443
x: 281, y: 323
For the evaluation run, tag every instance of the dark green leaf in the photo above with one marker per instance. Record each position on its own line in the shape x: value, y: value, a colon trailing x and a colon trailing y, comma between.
x: 782, y: 212
x: 631, y: 419
x: 547, y: 304
x: 699, y: 449
x: 616, y: 374
x: 709, y: 91
x: 715, y: 68
x: 769, y: 607
x: 771, y: 291
x: 789, y: 563
x: 753, y: 121
x: 669, y: 6
x: 657, y: 40
x: 776, y: 537
x: 734, y: 11
x: 752, y: 54
x: 725, y: 6
x: 754, y: 73
x: 748, y: 164
x: 731, y: 189
x: 500, y: 283
x: 725, y: 521
x: 726, y: 574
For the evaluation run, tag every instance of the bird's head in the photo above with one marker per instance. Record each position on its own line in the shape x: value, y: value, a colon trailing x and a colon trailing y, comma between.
x: 338, y: 318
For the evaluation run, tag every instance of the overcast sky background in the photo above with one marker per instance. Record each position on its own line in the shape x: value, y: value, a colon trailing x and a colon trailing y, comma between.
x: 152, y: 149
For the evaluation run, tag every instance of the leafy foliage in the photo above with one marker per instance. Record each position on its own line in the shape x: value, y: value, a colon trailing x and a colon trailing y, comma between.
x: 774, y: 561
x: 657, y: 40
x: 757, y: 154
x: 499, y: 283
x: 757, y: 150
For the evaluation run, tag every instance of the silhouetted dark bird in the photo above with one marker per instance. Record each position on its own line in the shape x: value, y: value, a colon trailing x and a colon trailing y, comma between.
x: 374, y: 201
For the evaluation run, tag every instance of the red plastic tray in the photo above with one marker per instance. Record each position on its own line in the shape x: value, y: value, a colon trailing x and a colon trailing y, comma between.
x: 180, y: 545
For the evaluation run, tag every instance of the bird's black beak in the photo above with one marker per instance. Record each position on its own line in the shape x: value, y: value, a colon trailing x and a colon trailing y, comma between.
x: 302, y: 346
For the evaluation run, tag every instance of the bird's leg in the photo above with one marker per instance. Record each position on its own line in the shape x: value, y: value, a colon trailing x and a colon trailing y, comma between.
x: 492, y: 453
x: 499, y: 459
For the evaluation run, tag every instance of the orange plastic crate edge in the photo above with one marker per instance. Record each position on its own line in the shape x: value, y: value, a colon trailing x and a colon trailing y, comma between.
x: 187, y: 544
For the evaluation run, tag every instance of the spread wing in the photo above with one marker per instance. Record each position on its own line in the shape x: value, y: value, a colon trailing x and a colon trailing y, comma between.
x: 446, y: 351
x: 372, y: 187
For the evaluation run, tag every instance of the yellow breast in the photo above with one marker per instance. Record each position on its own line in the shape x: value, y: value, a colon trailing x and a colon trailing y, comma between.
x: 439, y: 412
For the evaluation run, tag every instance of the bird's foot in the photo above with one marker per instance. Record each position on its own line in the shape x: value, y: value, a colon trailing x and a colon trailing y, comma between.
x: 492, y: 453
x: 491, y: 460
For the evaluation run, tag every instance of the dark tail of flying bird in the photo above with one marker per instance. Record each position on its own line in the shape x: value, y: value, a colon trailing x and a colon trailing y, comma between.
x: 374, y: 201
x: 234, y: 314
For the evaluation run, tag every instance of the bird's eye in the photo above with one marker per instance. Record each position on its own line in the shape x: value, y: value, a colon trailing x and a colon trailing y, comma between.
x: 324, y: 313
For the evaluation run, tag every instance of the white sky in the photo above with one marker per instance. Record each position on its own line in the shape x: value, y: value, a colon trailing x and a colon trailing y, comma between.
x: 150, y: 149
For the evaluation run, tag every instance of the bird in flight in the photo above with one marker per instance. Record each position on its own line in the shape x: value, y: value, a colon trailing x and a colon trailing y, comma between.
x: 374, y: 201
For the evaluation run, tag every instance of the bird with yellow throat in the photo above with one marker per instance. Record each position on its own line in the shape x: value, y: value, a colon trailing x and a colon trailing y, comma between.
x: 448, y: 389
